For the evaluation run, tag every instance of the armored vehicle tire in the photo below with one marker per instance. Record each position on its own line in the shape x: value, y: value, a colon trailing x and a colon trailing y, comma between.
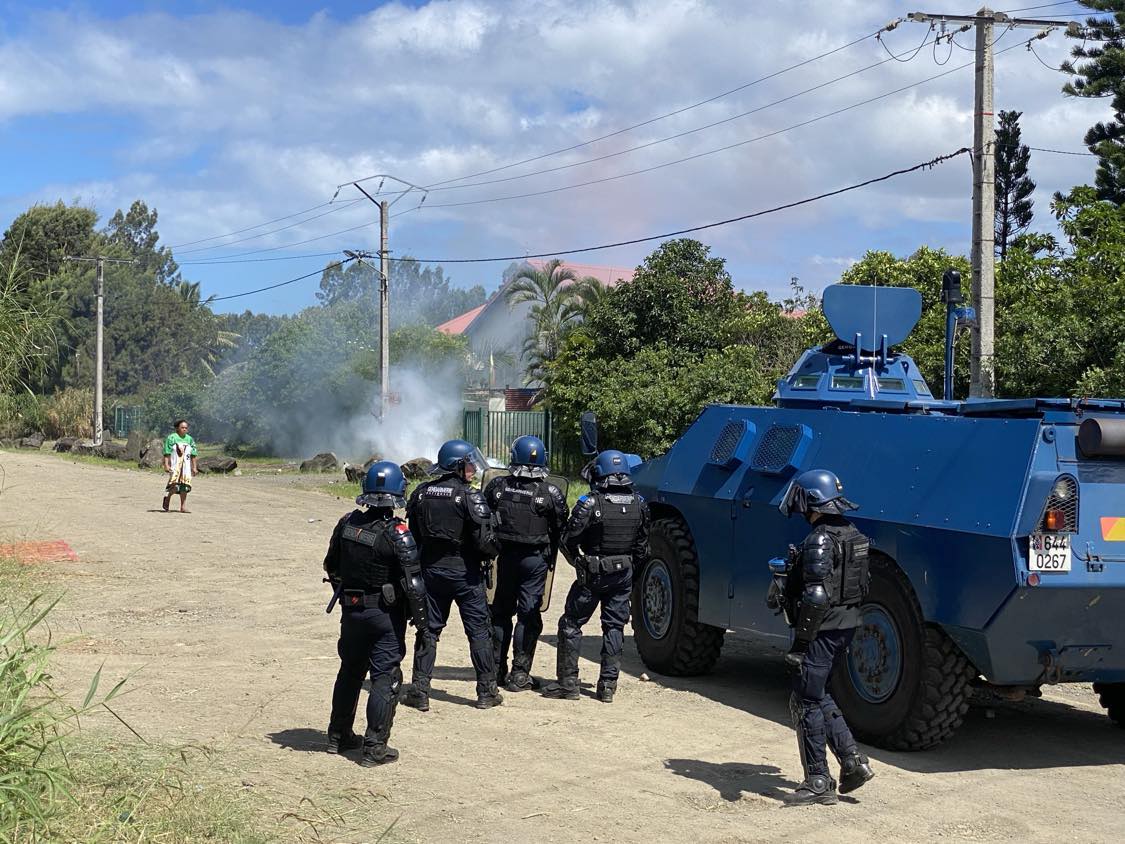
x: 669, y: 636
x: 904, y: 685
x: 1112, y: 698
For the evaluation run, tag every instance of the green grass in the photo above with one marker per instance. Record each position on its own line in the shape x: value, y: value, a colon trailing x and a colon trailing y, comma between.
x: 60, y: 783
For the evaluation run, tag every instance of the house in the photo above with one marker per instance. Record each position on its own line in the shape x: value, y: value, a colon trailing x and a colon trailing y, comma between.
x: 496, y: 331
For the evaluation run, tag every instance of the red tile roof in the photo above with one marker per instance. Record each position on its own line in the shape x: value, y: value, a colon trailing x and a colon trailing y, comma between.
x: 458, y: 324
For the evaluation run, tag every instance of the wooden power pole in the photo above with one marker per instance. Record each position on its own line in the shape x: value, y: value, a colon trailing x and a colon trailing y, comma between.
x: 983, y: 378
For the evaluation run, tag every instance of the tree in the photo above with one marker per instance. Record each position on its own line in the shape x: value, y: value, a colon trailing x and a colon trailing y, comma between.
x: 1013, y: 186
x: 43, y: 236
x: 678, y: 336
x: 135, y: 233
x: 419, y: 294
x: 1101, y: 74
x: 27, y: 336
x: 554, y: 310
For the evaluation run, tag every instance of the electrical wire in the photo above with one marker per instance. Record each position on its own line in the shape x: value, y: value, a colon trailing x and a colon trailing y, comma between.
x: 933, y: 162
x: 709, y: 152
x: 1031, y: 49
x: 562, y: 150
x: 279, y: 284
x: 914, y: 55
x: 251, y: 228
x: 206, y: 262
x: 1043, y: 6
x: 667, y: 138
x: 333, y: 210
x: 660, y: 117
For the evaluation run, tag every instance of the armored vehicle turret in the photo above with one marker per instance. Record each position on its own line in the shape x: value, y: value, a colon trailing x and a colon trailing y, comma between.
x: 997, y: 528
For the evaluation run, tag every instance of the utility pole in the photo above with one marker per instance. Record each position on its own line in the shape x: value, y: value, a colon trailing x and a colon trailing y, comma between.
x: 384, y: 274
x: 99, y: 295
x: 384, y: 310
x: 983, y: 376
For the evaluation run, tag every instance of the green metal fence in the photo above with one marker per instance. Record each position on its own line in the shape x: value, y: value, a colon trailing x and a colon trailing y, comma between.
x: 125, y: 419
x: 494, y: 430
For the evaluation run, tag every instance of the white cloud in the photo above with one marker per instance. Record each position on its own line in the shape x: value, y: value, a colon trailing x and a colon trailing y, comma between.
x: 230, y: 119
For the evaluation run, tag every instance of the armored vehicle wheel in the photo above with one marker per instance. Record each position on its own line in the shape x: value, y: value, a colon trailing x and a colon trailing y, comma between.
x: 1112, y: 698
x: 666, y: 628
x: 904, y: 685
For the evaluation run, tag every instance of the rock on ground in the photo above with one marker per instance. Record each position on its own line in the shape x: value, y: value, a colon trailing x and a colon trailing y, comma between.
x: 64, y: 444
x: 417, y: 469
x: 134, y: 445
x: 152, y: 455
x: 217, y: 465
x: 112, y: 450
x: 323, y: 462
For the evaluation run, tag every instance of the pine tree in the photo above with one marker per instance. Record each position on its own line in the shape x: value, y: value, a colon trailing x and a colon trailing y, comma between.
x: 1102, y: 75
x: 1013, y: 187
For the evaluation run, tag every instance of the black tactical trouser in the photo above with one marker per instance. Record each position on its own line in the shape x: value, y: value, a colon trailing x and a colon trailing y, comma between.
x: 443, y: 587
x: 520, y: 578
x: 815, y: 714
x: 372, y: 640
x: 612, y: 592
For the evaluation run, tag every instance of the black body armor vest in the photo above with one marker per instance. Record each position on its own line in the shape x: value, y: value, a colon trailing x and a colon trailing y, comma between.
x: 523, y: 509
x: 367, y: 554
x: 617, y: 517
x: 851, y: 574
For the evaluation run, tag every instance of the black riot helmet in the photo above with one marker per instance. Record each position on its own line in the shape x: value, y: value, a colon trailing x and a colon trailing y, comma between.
x: 815, y: 491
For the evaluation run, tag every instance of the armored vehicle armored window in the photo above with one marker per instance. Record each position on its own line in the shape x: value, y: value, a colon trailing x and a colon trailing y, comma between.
x: 892, y: 385
x: 847, y: 382
x: 922, y: 387
x: 806, y: 382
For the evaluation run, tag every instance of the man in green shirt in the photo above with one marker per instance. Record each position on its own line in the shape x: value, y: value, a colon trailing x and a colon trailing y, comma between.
x: 180, y: 464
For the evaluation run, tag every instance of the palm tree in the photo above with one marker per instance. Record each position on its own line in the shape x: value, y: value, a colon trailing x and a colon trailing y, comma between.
x: 590, y: 292
x: 555, y: 308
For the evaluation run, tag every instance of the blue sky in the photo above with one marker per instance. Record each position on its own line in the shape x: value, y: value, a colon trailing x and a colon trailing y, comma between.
x: 225, y: 115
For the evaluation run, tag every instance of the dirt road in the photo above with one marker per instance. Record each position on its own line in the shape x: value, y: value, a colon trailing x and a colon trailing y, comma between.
x: 221, y: 615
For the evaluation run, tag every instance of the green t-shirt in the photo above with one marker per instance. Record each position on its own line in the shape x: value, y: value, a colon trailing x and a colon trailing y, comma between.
x: 174, y: 439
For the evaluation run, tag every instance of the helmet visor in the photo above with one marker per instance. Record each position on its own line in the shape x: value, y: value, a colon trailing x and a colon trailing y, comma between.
x: 795, y: 500
x: 475, y: 464
x: 380, y: 499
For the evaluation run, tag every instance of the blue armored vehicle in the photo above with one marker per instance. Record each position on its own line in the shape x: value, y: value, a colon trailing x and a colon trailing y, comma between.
x: 997, y: 528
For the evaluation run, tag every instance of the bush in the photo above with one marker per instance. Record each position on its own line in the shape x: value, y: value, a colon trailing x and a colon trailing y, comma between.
x: 180, y: 399
x: 21, y: 414
x: 69, y: 413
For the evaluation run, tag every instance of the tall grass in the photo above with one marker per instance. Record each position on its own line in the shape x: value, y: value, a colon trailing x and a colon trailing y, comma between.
x: 34, y: 722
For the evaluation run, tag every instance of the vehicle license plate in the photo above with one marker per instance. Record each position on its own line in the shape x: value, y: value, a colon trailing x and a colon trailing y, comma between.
x: 1049, y: 552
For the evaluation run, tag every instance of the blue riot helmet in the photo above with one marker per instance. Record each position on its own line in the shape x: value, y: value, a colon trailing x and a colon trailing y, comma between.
x: 815, y: 491
x: 384, y: 485
x: 461, y: 458
x: 528, y: 458
x: 610, y: 468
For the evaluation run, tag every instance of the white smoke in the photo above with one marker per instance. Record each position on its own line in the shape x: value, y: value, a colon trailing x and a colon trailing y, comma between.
x: 426, y: 412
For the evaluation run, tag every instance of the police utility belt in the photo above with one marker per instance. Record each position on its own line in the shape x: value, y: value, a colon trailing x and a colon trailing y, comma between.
x: 359, y: 599
x: 605, y: 565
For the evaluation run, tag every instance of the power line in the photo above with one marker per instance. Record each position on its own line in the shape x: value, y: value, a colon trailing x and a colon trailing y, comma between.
x: 1043, y: 6
x: 913, y: 55
x: 280, y: 283
x: 332, y: 210
x: 924, y: 165
x: 676, y: 136
x: 673, y: 113
x: 573, y: 147
x: 251, y: 228
x: 207, y: 262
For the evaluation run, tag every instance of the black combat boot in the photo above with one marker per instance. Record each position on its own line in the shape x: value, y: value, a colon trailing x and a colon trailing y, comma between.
x: 417, y: 696
x: 817, y: 788
x: 519, y: 680
x: 375, y: 748
x: 490, y: 697
x: 855, y: 770
x: 606, y: 691
x: 566, y: 668
x: 343, y: 742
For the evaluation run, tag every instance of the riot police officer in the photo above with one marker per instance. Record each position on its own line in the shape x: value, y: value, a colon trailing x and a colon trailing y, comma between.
x: 826, y: 580
x: 530, y: 514
x: 606, y: 540
x: 373, y: 562
x: 453, y: 524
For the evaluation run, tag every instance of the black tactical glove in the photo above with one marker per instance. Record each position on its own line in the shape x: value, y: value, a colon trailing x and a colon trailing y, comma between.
x: 797, y: 651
